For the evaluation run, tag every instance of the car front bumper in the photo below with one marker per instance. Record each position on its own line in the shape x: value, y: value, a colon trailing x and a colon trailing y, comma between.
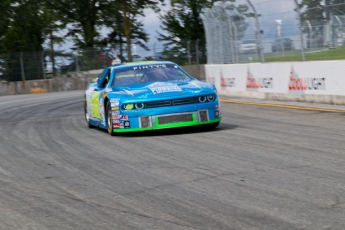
x: 165, y: 118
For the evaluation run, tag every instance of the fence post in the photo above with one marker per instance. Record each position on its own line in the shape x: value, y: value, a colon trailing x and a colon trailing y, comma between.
x: 22, y: 66
x: 188, y: 51
x: 231, y: 35
x: 258, y: 32
x: 235, y: 39
x: 197, y: 51
x: 300, y: 30
x: 43, y: 69
x: 209, y: 51
x: 77, y: 62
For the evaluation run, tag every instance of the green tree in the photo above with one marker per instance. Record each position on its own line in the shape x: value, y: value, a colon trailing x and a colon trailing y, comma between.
x: 131, y: 10
x: 182, y: 27
x: 23, y: 33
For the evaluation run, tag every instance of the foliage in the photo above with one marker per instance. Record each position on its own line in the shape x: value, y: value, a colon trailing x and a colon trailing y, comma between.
x: 23, y: 32
x: 182, y: 23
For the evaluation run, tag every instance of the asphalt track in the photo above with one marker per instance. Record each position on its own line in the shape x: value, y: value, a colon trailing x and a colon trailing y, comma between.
x: 264, y: 168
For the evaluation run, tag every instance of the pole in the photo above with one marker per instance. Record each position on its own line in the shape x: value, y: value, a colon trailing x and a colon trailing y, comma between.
x: 258, y: 31
x: 197, y: 51
x: 76, y: 62
x: 235, y: 39
x: 43, y: 69
x: 232, y: 50
x: 22, y: 66
x: 188, y: 50
x: 300, y: 30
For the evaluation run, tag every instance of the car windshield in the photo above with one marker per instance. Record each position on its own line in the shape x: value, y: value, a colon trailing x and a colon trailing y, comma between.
x: 148, y: 73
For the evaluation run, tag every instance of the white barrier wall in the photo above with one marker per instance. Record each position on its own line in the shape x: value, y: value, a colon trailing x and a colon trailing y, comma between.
x: 319, y: 81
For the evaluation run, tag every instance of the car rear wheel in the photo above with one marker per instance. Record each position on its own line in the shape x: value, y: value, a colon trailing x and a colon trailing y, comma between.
x: 87, y: 115
x: 110, y: 120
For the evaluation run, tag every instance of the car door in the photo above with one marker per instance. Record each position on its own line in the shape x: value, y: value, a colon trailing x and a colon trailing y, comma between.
x: 97, y: 100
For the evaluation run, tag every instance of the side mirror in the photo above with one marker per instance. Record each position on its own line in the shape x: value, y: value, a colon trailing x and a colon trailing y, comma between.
x: 95, y: 80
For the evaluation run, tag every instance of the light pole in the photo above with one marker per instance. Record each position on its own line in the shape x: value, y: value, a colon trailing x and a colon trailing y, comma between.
x: 279, y: 32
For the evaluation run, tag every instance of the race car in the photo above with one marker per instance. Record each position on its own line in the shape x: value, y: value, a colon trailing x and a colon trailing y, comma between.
x: 149, y: 95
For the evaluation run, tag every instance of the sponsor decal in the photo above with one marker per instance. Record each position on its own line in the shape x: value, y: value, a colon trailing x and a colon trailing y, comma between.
x: 266, y: 83
x: 211, y: 80
x: 117, y: 117
x: 226, y: 82
x: 252, y: 83
x: 116, y: 121
x: 116, y: 125
x: 124, y: 117
x: 114, y: 100
x: 161, y: 87
x: 114, y: 104
x: 127, y: 124
x: 149, y: 67
x: 257, y: 83
x: 297, y: 83
x: 316, y: 83
x: 115, y: 108
x: 115, y: 112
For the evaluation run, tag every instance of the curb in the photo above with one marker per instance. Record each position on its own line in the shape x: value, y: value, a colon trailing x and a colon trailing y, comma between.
x: 283, y: 106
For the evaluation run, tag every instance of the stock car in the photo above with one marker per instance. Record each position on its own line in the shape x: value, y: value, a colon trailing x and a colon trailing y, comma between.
x: 149, y: 95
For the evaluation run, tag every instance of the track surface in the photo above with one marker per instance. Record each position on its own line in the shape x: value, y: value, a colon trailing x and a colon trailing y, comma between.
x: 262, y: 168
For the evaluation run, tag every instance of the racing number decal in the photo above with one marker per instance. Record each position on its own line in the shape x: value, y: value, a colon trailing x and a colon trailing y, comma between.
x: 95, y: 105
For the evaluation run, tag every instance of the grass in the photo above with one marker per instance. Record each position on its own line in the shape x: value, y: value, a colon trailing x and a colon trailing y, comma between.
x: 329, y: 54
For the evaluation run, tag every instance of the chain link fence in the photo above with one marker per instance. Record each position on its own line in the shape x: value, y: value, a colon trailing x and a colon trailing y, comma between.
x: 45, y: 64
x: 277, y: 31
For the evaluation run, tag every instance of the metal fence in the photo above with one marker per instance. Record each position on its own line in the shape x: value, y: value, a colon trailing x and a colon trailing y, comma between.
x: 277, y: 30
x: 44, y: 64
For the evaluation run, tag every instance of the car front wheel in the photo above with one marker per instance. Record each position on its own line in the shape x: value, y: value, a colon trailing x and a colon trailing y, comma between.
x: 110, y: 120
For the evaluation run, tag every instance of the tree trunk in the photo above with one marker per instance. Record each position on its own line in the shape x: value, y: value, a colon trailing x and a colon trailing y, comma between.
x: 127, y: 31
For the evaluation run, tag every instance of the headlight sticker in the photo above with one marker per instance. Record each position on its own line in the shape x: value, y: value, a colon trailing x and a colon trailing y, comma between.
x: 128, y: 106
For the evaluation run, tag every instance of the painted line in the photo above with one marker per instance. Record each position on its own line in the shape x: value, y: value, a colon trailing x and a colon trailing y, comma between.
x: 284, y: 106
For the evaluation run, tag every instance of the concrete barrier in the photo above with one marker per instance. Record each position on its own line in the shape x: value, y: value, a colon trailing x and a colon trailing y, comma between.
x: 57, y: 84
x: 315, y: 82
x: 71, y: 82
x: 196, y: 71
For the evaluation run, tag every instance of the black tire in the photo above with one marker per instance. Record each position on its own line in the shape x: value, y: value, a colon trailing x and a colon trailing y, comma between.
x: 110, y: 120
x: 87, y: 116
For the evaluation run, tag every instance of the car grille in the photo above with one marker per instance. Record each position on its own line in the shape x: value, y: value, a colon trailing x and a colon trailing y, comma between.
x: 175, y: 118
x: 183, y: 101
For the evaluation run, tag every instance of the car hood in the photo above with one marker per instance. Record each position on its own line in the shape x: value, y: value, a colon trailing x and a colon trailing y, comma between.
x: 162, y: 89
